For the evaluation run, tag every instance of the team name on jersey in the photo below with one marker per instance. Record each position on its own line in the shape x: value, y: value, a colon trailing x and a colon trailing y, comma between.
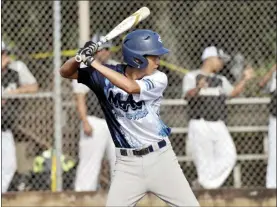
x: 124, y: 105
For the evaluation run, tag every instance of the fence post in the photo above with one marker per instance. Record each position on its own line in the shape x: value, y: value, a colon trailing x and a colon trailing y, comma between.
x: 237, y: 176
x: 83, y: 22
x: 57, y: 97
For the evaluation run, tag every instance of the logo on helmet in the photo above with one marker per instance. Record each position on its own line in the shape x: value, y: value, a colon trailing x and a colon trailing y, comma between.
x: 160, y: 39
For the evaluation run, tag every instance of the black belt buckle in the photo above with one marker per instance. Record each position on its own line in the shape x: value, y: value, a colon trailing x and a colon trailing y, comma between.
x: 145, y: 151
x: 141, y: 152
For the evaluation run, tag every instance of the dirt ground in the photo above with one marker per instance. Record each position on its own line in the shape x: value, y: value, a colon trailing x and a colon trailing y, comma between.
x: 211, y: 198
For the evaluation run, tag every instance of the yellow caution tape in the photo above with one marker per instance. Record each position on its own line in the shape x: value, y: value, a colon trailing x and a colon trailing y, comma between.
x: 70, y: 53
x: 173, y: 67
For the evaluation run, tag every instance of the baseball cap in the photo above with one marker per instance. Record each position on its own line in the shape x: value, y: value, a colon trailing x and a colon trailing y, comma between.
x: 212, y: 51
x: 97, y: 37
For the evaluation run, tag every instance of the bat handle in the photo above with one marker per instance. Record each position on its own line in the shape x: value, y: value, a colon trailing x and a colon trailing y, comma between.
x: 101, y: 42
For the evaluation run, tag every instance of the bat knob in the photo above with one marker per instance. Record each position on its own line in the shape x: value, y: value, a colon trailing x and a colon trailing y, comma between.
x: 78, y: 58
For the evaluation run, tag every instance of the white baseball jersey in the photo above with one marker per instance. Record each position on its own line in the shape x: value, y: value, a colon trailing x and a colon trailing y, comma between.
x: 133, y: 119
x: 25, y: 76
x: 209, y: 104
x: 190, y: 82
x: 16, y: 75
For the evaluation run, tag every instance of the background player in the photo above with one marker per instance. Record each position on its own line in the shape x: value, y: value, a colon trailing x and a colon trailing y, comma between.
x: 211, y: 145
x: 270, y: 77
x: 130, y: 96
x: 16, y: 78
x: 95, y: 137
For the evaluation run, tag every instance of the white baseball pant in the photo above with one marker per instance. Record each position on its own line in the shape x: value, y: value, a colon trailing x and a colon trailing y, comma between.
x: 157, y: 172
x: 212, y: 150
x: 91, y: 152
x: 8, y: 159
x: 271, y: 166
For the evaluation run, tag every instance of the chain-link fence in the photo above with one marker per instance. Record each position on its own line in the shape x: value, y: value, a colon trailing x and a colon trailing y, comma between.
x: 246, y: 30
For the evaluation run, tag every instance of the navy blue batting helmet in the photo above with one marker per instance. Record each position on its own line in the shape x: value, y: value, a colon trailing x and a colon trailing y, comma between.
x: 139, y: 43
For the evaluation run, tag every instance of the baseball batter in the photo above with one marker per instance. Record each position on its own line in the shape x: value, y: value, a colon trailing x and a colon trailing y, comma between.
x: 211, y: 146
x: 95, y: 137
x: 270, y: 78
x: 130, y: 95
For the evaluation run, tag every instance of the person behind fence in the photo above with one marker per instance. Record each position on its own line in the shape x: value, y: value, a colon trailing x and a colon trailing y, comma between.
x: 210, y: 144
x: 16, y: 79
x: 270, y: 79
x: 95, y: 137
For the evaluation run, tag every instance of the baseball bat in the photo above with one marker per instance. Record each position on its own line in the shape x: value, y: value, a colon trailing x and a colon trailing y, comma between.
x: 123, y: 26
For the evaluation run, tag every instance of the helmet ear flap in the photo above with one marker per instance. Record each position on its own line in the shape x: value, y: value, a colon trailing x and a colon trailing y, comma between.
x: 138, y: 61
x: 141, y: 62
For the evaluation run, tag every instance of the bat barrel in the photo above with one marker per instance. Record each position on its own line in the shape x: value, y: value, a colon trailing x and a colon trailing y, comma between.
x: 126, y: 24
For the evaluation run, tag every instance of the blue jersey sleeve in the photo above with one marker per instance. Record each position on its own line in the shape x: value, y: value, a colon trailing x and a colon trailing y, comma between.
x: 83, y: 76
x: 92, y: 78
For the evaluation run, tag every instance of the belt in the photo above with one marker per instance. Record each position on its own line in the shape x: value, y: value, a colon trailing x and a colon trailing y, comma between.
x: 144, y: 151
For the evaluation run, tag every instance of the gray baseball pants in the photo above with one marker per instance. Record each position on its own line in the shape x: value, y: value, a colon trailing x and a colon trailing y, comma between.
x: 157, y: 172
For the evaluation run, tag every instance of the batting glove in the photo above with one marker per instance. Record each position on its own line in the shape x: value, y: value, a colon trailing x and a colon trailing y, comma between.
x: 89, y: 49
x: 87, y: 60
x: 92, y: 47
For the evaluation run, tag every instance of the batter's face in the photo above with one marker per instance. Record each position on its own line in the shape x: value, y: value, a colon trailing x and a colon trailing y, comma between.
x: 153, y: 64
x: 103, y: 55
